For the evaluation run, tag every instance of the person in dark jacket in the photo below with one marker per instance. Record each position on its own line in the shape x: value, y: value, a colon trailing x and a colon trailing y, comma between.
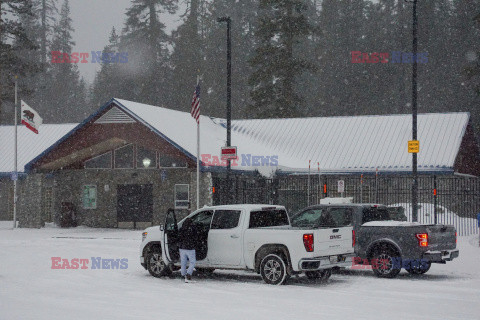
x: 188, y: 236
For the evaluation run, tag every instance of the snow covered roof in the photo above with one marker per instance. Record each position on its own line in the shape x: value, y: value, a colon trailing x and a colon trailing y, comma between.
x: 360, y: 143
x: 30, y: 144
x: 339, y: 144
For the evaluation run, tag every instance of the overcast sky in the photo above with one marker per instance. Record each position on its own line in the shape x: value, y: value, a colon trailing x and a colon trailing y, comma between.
x: 93, y: 20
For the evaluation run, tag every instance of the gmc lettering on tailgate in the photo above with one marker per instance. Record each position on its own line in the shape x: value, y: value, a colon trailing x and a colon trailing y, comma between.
x: 338, y: 236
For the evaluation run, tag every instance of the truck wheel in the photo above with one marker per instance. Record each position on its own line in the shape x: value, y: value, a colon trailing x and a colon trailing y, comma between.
x: 419, y: 270
x: 385, y: 266
x: 273, y: 269
x: 323, y: 275
x: 156, y: 266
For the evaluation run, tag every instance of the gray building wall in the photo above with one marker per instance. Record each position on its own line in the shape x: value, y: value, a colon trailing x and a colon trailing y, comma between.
x: 67, y: 186
x: 6, y: 199
x: 29, y: 205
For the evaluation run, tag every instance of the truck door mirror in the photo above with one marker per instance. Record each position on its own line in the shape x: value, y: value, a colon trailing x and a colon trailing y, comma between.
x: 161, y: 227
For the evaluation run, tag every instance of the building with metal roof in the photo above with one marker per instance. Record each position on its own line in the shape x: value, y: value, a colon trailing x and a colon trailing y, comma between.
x: 127, y: 163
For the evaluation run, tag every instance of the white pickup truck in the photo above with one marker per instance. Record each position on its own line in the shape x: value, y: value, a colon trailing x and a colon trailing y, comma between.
x: 250, y: 237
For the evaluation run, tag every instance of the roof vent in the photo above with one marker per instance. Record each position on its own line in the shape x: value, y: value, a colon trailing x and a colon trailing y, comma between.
x: 115, y: 115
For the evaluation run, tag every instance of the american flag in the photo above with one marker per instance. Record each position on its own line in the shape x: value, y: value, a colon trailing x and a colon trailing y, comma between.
x: 196, y: 104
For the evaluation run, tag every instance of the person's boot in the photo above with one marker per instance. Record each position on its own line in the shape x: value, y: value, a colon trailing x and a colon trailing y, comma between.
x: 188, y: 278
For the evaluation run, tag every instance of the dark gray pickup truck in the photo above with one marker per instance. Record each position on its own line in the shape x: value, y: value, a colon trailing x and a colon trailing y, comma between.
x: 384, y: 241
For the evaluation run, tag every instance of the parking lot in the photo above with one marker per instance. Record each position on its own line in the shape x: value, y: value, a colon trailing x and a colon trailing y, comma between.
x: 31, y: 289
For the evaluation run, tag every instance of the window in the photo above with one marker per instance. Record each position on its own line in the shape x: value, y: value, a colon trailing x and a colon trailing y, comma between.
x: 397, y: 213
x: 103, y: 161
x: 167, y: 161
x: 375, y: 214
x: 124, y: 157
x: 171, y: 221
x: 203, y: 218
x: 182, y: 196
x: 146, y: 158
x: 341, y: 216
x: 268, y: 218
x: 226, y: 219
x: 89, y: 197
x: 308, y: 218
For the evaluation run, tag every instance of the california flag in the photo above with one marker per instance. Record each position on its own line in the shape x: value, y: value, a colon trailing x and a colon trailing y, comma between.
x: 30, y: 118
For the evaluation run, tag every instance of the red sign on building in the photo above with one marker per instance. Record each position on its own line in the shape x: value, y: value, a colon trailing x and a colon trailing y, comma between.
x: 229, y: 153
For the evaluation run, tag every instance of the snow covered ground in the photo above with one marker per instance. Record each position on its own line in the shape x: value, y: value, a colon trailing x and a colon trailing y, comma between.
x: 31, y: 289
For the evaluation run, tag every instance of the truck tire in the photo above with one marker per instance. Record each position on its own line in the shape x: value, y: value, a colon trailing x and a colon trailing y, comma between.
x: 386, y: 267
x: 156, y: 266
x: 323, y: 275
x: 419, y: 270
x: 273, y: 269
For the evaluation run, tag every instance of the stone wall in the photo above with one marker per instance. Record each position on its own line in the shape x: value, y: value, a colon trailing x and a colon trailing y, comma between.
x: 68, y: 186
x: 6, y: 199
x: 29, y: 205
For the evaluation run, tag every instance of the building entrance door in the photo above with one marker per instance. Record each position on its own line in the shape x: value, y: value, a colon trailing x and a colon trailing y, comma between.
x: 134, y: 205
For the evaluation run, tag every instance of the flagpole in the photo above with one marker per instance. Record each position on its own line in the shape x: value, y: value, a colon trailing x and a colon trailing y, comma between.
x: 15, y: 160
x: 198, y: 155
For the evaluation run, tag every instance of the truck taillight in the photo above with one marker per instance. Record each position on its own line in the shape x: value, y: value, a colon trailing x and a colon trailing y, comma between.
x: 422, y: 239
x: 308, y: 242
x: 455, y: 236
x: 353, y: 238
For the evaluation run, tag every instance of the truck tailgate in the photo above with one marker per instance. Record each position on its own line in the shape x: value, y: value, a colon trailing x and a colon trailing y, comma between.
x: 333, y: 241
x: 441, y: 237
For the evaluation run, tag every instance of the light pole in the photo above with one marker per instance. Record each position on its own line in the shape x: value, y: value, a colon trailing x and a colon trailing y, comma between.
x: 229, y: 93
x: 414, y: 110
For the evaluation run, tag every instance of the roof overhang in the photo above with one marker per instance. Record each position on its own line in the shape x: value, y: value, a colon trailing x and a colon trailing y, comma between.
x: 85, y: 153
x: 98, y: 148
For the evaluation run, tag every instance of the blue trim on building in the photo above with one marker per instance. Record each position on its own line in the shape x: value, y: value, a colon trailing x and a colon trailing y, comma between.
x: 9, y: 175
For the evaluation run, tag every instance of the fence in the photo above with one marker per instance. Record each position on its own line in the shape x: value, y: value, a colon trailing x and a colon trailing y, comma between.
x: 452, y: 199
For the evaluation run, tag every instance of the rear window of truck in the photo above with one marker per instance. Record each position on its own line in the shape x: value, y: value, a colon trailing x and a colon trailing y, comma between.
x: 323, y: 218
x: 268, y: 218
x: 383, y: 214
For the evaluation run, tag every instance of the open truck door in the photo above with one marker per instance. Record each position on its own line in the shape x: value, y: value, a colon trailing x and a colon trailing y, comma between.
x: 171, y: 237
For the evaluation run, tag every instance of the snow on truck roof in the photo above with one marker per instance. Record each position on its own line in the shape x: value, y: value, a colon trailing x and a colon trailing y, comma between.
x: 356, y: 144
x: 245, y: 206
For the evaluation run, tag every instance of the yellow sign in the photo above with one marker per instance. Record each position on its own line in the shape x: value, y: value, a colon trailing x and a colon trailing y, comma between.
x: 413, y: 146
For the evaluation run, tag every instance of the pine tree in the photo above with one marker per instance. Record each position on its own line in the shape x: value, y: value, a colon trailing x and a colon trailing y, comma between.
x: 108, y: 81
x: 187, y: 58
x: 147, y: 43
x: 282, y: 25
x: 47, y: 10
x: 64, y: 94
x: 243, y: 22
x: 15, y: 43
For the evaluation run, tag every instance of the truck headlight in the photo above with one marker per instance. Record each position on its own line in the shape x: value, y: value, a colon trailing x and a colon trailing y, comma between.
x: 144, y: 236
